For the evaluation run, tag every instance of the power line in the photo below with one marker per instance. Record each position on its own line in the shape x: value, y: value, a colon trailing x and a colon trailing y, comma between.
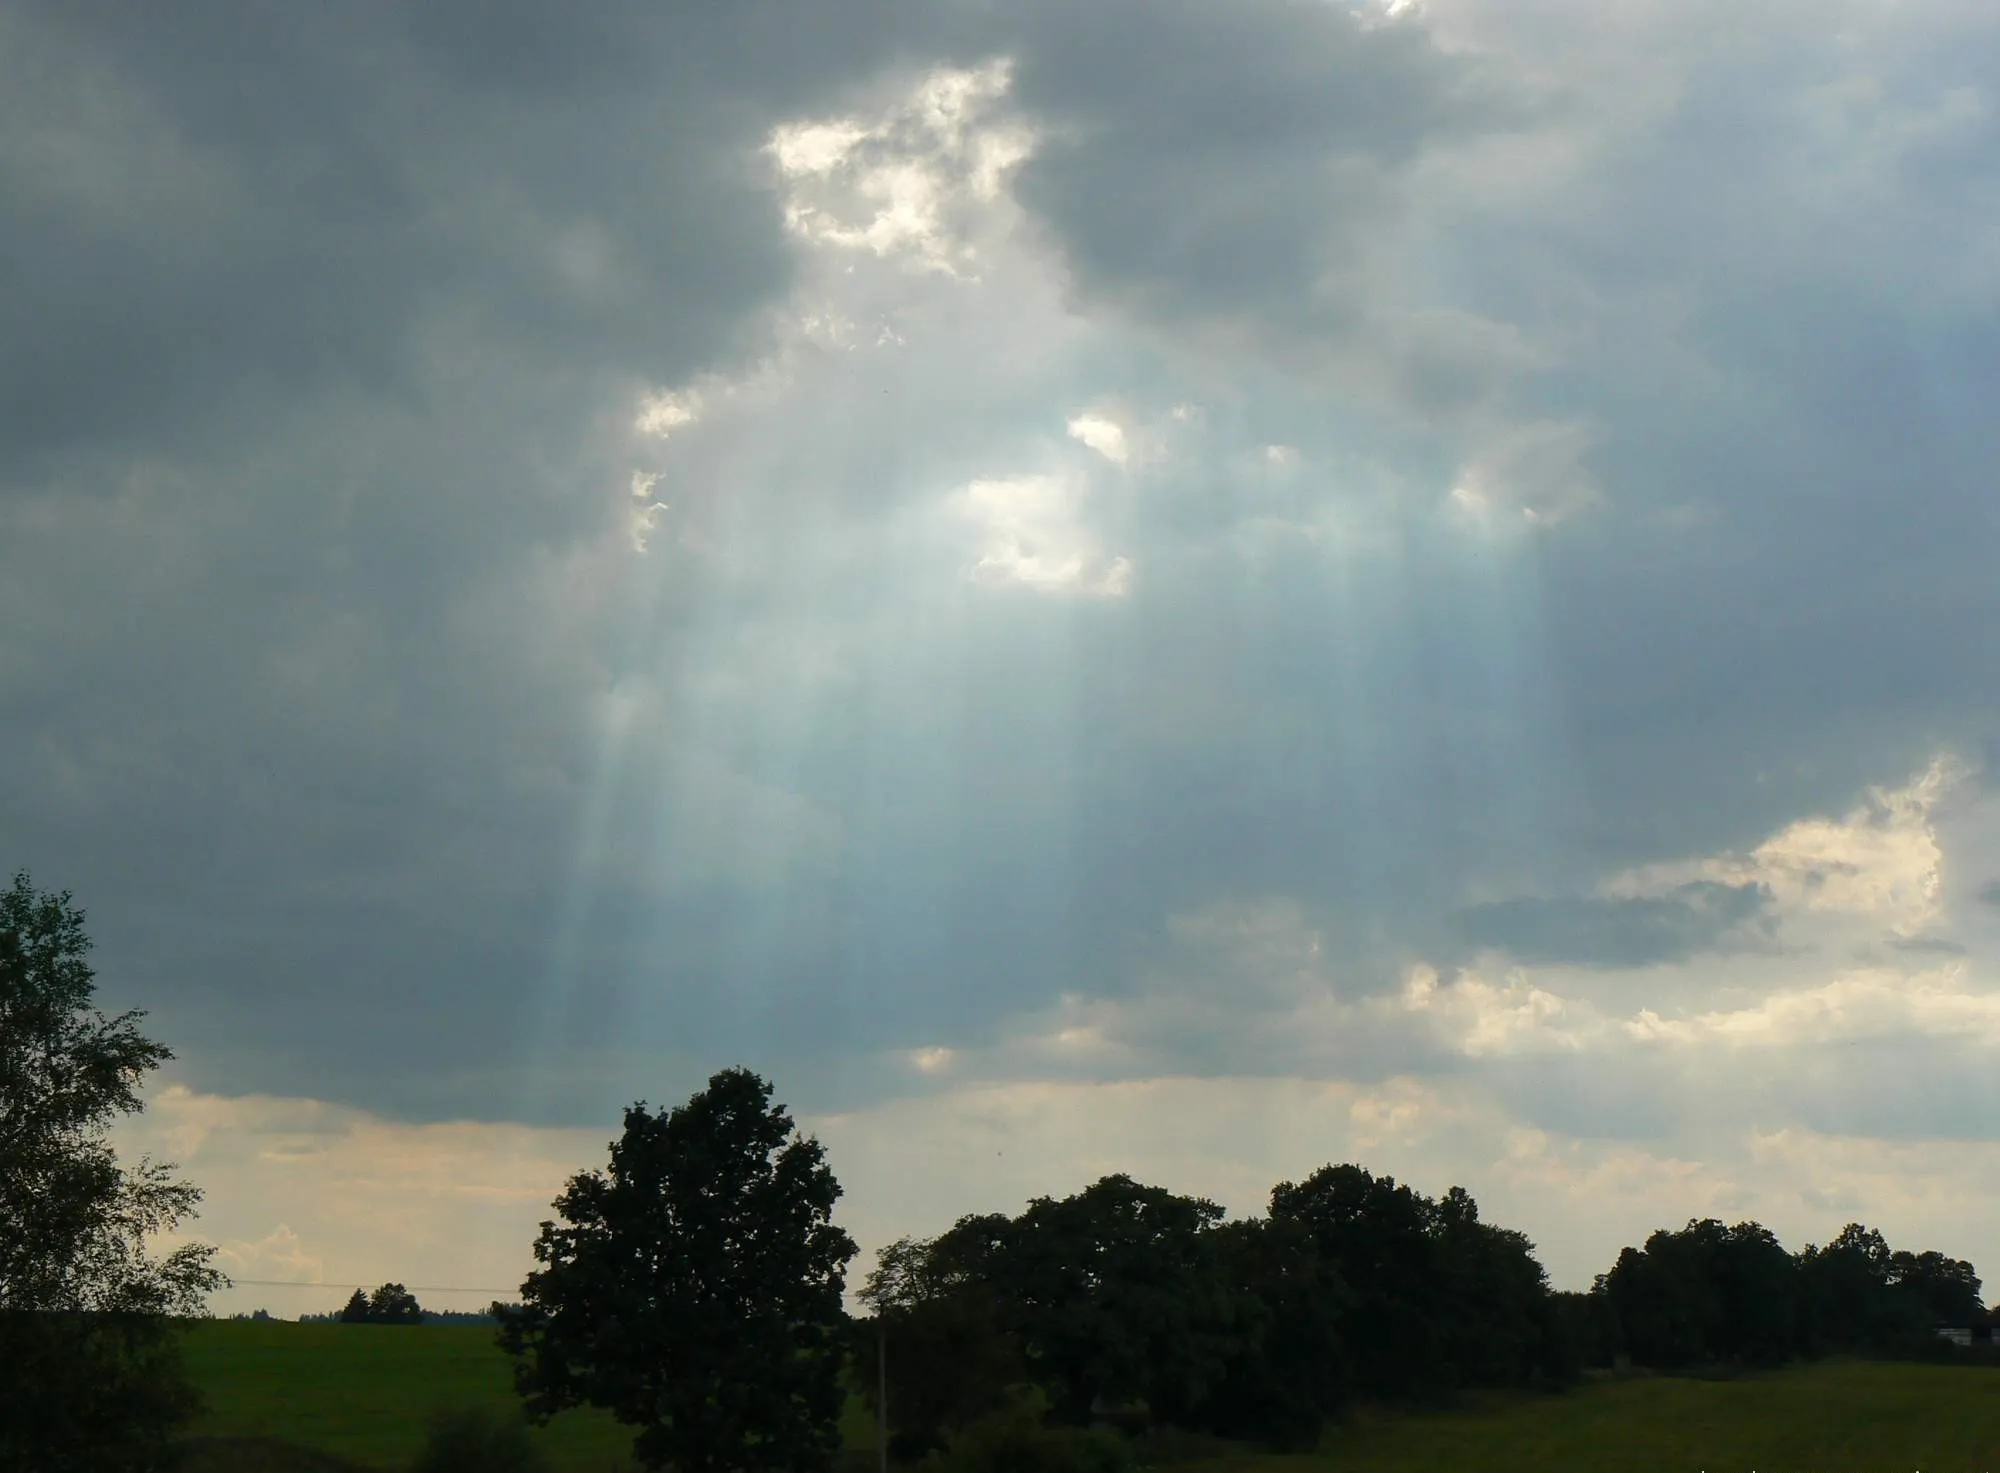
x: 327, y: 1284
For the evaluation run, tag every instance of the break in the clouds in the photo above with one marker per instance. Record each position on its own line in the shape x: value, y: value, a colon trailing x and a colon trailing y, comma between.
x: 1420, y: 570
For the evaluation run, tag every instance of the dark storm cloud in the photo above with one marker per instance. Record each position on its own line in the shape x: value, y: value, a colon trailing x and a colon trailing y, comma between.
x: 1231, y: 168
x: 317, y: 341
x: 309, y: 329
x: 1636, y: 931
x: 217, y: 211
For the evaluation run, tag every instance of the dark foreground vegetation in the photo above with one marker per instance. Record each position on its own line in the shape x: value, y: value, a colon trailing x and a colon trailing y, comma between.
x: 285, y: 1398
x: 688, y: 1301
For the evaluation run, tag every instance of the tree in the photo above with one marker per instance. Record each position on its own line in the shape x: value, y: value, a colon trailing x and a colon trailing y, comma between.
x: 392, y: 1304
x: 1377, y: 1236
x: 694, y: 1290
x: 1938, y: 1289
x: 1117, y: 1297
x: 1287, y: 1370
x: 355, y: 1311
x: 950, y: 1361
x: 1846, y: 1297
x: 1498, y: 1322
x: 93, y: 1377
x: 1436, y: 1300
x: 1706, y: 1293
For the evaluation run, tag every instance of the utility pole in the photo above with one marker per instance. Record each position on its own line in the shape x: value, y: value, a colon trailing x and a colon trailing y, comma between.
x: 882, y: 1389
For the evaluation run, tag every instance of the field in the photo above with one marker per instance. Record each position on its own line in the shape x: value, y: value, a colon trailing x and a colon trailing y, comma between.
x: 360, y: 1394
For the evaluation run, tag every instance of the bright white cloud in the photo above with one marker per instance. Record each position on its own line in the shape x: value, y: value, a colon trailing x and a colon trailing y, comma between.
x: 1105, y: 436
x: 664, y: 412
x: 1880, y: 862
x: 901, y: 185
x: 1034, y: 535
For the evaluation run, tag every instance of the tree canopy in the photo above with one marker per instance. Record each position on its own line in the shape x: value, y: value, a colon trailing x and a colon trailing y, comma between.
x: 1125, y: 1293
x: 92, y: 1376
x: 391, y: 1304
x: 694, y: 1289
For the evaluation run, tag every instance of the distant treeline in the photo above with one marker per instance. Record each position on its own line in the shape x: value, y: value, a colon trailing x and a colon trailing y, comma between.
x: 391, y: 1304
x: 427, y: 1317
x: 1352, y: 1287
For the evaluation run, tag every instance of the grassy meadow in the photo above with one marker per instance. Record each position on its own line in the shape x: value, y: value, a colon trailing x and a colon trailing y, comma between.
x: 287, y: 1398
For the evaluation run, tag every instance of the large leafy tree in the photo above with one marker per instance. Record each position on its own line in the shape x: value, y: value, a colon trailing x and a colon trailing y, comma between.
x: 1437, y: 1300
x: 1118, y: 1297
x: 1377, y: 1235
x: 694, y: 1289
x: 92, y: 1376
x: 1112, y: 1295
x: 1937, y: 1289
x: 1708, y: 1292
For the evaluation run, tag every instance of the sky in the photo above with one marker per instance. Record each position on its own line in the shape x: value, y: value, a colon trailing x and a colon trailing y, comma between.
x: 1150, y: 586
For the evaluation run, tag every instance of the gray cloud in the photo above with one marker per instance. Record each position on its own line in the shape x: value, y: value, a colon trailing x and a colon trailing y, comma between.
x: 1634, y: 931
x: 1221, y: 171
x: 391, y: 774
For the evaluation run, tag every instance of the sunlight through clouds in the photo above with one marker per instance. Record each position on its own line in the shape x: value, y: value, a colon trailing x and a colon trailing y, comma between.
x: 898, y: 186
x: 1035, y: 536
x: 1177, y: 588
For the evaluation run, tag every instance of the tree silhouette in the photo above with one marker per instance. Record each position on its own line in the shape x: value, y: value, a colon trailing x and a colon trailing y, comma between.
x: 90, y: 1374
x: 392, y: 1304
x: 695, y: 1289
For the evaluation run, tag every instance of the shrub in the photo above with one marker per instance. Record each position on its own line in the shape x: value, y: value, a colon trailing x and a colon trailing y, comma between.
x: 472, y: 1440
x: 1015, y: 1441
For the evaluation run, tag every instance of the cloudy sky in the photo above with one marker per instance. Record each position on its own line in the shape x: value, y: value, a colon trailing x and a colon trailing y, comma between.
x: 1152, y: 585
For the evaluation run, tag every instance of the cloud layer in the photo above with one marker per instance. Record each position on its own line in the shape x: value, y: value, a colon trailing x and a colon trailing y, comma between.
x: 966, y: 554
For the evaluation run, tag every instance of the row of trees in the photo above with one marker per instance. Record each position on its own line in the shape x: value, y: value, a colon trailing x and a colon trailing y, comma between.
x: 695, y: 1290
x: 1352, y: 1285
x: 1711, y: 1293
x: 391, y: 1304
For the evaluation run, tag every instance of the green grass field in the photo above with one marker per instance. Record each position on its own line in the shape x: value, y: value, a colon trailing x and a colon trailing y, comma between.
x: 361, y: 1394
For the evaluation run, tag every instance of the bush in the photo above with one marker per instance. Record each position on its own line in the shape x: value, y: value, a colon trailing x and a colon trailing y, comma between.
x: 476, y: 1441
x: 1015, y: 1441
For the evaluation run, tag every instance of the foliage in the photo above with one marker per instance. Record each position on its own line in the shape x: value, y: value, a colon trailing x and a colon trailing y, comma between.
x: 1014, y: 1440
x: 1125, y: 1294
x: 93, y: 1377
x: 695, y: 1289
x: 1709, y: 1295
x: 1438, y: 1301
x: 948, y: 1363
x: 392, y: 1304
x: 1288, y: 1371
x: 473, y: 1440
x: 1117, y: 1297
